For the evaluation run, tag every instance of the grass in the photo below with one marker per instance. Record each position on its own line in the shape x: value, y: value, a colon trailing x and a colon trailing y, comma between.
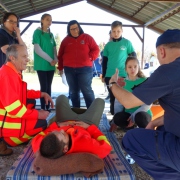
x: 57, y: 85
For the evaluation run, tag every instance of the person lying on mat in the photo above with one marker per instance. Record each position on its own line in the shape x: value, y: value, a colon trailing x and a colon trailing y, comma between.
x: 72, y: 132
x: 19, y: 121
x: 156, y: 149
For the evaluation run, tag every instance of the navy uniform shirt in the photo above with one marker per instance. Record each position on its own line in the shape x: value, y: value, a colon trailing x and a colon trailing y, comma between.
x: 5, y: 39
x: 164, y: 85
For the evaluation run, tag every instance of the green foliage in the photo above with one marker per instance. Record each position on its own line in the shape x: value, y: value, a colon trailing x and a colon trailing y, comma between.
x: 101, y: 46
x: 58, y: 41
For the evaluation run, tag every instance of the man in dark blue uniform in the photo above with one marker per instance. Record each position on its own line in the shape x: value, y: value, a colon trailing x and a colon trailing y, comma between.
x: 157, y: 150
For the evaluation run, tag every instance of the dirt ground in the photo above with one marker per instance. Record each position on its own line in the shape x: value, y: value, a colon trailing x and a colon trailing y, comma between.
x: 98, y: 87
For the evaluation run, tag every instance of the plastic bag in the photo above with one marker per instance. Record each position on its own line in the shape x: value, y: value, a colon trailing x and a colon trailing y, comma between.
x: 64, y: 81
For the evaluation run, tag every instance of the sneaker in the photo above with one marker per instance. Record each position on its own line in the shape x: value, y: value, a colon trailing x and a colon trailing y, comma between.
x: 130, y: 159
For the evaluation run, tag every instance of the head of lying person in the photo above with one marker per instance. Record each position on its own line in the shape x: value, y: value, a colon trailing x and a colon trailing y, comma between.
x: 55, y: 144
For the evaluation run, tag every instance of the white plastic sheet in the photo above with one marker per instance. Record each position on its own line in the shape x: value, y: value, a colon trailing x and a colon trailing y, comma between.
x: 64, y: 81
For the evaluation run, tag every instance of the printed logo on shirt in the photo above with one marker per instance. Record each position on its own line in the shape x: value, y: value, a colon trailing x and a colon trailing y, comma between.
x: 82, y: 42
x: 123, y: 48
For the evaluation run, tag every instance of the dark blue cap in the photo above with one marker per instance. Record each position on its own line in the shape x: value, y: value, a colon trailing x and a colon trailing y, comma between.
x: 169, y: 36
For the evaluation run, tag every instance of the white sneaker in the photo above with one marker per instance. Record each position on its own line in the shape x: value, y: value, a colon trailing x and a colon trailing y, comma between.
x: 130, y: 159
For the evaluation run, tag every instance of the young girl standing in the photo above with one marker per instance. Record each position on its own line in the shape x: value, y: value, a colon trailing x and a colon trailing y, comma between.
x: 140, y: 115
x: 45, y: 56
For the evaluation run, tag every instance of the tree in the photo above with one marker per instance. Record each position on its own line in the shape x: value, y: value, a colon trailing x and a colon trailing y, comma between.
x: 28, y: 41
x: 58, y: 41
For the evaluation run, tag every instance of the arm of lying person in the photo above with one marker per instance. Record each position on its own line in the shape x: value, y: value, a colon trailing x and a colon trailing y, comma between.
x: 82, y: 124
x: 97, y: 134
x: 99, y: 142
x: 66, y: 123
x: 73, y: 123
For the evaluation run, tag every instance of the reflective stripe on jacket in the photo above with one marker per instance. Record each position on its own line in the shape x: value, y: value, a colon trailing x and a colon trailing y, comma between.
x: 13, y: 97
x: 90, y: 140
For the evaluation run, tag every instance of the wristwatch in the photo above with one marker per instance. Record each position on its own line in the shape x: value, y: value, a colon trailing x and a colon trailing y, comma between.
x: 110, y: 85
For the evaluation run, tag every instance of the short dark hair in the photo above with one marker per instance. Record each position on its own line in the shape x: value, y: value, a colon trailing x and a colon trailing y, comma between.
x: 116, y: 24
x: 120, y: 121
x: 72, y: 23
x: 51, y: 147
x: 172, y: 45
x: 6, y: 16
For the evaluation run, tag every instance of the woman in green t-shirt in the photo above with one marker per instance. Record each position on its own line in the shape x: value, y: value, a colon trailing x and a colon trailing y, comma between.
x: 45, y: 56
x: 140, y: 115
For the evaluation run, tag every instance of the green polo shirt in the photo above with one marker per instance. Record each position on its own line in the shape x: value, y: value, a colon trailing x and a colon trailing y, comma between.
x: 129, y: 87
x: 117, y: 53
x: 47, y: 43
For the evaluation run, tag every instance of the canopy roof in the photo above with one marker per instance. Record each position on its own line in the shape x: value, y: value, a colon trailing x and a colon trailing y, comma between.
x: 157, y: 15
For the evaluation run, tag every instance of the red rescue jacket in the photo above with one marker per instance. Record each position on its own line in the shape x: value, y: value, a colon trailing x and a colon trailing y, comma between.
x: 90, y: 140
x: 13, y: 96
x: 77, y: 52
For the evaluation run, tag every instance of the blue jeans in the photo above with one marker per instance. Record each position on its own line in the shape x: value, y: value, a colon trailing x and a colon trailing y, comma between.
x: 80, y: 79
x: 118, y: 107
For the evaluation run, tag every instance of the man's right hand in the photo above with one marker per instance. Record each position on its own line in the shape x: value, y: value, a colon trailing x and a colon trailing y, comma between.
x: 114, y: 78
x: 42, y: 114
